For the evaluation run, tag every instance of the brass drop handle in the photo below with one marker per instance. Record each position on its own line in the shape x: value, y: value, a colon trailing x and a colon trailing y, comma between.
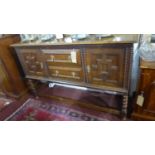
x: 56, y: 72
x: 41, y: 65
x: 88, y: 69
x: 52, y: 57
x: 69, y: 57
x: 73, y: 74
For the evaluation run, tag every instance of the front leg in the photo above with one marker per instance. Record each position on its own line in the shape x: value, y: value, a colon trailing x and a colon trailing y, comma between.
x: 124, y: 107
x: 32, y: 87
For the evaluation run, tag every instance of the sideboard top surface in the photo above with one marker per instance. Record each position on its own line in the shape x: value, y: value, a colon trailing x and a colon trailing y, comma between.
x: 116, y: 39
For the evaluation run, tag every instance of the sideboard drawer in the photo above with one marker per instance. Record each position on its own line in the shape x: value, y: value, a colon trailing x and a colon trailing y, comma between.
x: 62, y: 57
x: 65, y: 73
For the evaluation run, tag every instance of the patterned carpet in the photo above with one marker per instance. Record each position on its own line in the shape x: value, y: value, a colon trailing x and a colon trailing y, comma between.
x: 40, y: 110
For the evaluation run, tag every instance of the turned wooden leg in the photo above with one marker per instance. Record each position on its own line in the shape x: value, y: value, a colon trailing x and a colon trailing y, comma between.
x: 32, y: 88
x: 124, y: 107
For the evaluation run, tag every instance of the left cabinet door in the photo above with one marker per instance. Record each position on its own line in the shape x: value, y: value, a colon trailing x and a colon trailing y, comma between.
x: 32, y: 62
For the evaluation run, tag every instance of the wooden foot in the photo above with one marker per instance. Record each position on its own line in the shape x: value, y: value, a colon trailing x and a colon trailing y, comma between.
x: 32, y: 88
x: 124, y: 107
x: 37, y: 97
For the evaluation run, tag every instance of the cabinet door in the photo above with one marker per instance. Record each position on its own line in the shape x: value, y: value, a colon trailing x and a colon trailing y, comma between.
x: 105, y: 66
x: 64, y: 64
x: 32, y: 61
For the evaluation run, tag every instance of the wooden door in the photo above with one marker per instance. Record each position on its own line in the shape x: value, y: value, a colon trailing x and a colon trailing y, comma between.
x: 32, y: 62
x: 105, y: 66
x: 64, y: 64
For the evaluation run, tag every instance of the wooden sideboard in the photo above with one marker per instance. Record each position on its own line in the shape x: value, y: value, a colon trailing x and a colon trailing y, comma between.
x: 100, y: 65
x: 11, y: 82
x: 146, y: 85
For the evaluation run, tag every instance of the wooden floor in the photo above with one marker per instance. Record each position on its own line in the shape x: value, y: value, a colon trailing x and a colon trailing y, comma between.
x: 91, y: 100
x: 98, y: 101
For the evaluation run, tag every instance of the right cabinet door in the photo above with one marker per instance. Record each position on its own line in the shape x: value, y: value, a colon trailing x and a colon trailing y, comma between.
x: 105, y: 66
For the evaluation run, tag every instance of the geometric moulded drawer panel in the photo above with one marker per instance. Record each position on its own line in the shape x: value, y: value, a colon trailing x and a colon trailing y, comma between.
x: 64, y: 64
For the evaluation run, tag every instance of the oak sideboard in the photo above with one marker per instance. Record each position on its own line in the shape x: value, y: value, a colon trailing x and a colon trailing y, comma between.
x: 100, y: 65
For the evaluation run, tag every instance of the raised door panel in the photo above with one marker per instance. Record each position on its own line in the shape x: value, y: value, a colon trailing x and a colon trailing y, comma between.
x: 105, y: 66
x: 32, y: 61
x: 64, y: 64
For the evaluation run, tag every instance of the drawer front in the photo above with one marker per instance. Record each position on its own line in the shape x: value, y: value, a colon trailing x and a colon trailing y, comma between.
x: 64, y: 57
x: 32, y: 61
x: 105, y: 66
x: 64, y: 73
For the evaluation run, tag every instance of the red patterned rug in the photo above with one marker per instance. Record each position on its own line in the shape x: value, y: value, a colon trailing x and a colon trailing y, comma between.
x: 39, y: 110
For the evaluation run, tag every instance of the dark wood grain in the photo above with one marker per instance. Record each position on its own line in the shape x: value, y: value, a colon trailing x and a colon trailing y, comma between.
x: 147, y: 86
x: 11, y: 80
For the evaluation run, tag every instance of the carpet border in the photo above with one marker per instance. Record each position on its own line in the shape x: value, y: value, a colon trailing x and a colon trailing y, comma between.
x: 6, y: 119
x: 18, y: 109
